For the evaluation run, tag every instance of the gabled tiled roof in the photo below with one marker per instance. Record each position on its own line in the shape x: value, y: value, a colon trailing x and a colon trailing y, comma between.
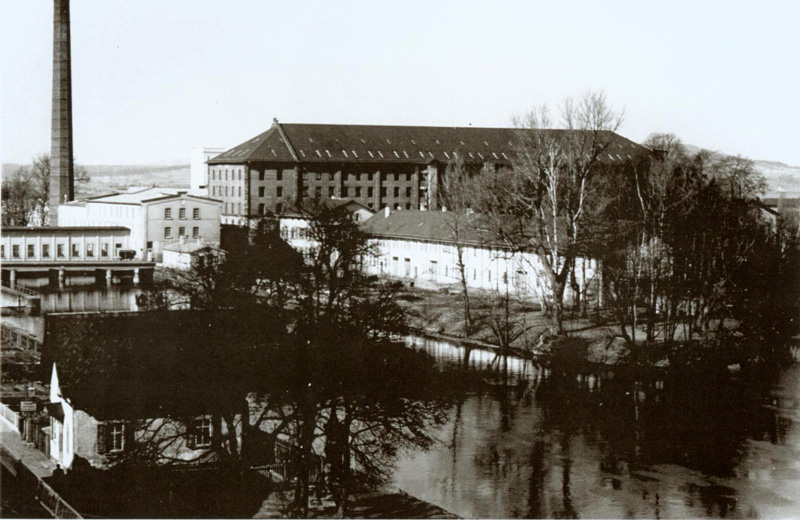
x: 430, y: 226
x: 146, y: 364
x: 320, y: 143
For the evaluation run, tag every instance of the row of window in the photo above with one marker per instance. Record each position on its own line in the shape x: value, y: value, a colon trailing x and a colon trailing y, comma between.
x: 115, y: 436
x: 182, y: 213
x: 30, y: 251
x: 224, y: 191
x: 345, y: 192
x: 181, y: 232
x: 222, y: 175
x: 361, y: 176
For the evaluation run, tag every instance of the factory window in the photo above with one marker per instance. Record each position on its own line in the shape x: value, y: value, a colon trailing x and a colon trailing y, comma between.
x: 396, y: 191
x: 202, y: 433
x: 89, y: 250
x: 196, y: 213
x: 45, y: 250
x: 318, y: 191
x: 60, y: 250
x: 408, y: 205
x: 261, y: 191
x: 345, y: 191
x: 330, y: 191
x: 279, y: 191
x: 182, y: 213
x: 168, y: 213
x: 261, y: 209
x: 319, y: 176
x: 76, y: 250
x: 31, y: 251
x: 408, y: 191
x: 149, y: 247
x: 358, y: 191
x: 305, y: 176
x: 261, y: 175
x: 167, y: 232
x: 240, y: 191
x: 181, y: 231
x: 279, y: 175
x: 370, y: 191
x: 116, y: 437
x: 279, y: 208
x: 104, y: 249
x: 195, y: 232
x: 383, y: 191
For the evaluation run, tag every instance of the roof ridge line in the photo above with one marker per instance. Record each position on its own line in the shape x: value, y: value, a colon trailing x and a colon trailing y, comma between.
x: 286, y: 141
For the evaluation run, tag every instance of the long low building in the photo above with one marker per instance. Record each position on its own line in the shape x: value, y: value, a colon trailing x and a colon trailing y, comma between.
x: 422, y: 247
x: 63, y: 244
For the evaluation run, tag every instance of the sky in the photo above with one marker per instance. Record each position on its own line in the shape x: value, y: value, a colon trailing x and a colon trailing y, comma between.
x: 153, y: 79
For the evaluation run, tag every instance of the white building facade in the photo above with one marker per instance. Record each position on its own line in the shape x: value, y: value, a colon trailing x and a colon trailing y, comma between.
x: 155, y: 216
x: 417, y: 247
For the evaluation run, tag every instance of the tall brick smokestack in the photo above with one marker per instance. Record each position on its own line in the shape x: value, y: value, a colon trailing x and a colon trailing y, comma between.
x: 62, y: 175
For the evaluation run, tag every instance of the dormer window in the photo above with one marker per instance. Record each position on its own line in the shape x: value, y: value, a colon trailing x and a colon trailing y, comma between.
x: 318, y: 153
x: 355, y: 154
x: 380, y: 153
x: 344, y: 152
x: 370, y: 153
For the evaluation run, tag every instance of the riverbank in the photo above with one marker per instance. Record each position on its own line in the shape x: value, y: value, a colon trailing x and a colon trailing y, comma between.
x: 591, y: 339
x: 441, y: 315
x: 381, y: 504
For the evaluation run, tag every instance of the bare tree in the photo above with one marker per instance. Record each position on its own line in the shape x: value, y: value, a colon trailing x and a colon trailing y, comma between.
x: 543, y: 201
x: 458, y: 197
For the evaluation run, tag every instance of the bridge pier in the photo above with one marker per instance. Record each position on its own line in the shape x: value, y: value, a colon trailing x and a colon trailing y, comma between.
x: 136, y: 276
x: 109, y: 277
x: 12, y: 277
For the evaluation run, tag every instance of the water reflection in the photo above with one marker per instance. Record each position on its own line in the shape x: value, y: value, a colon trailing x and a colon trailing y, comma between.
x: 606, y: 444
x: 83, y: 295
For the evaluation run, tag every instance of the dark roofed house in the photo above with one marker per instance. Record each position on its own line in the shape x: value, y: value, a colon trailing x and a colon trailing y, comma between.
x: 122, y: 382
x: 378, y: 166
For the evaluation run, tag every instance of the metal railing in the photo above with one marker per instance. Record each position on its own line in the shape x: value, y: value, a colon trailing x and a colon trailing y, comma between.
x: 51, y: 501
x: 20, y: 289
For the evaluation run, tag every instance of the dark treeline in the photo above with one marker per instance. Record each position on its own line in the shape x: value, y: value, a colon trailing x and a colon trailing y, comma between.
x: 329, y: 376
x: 688, y: 258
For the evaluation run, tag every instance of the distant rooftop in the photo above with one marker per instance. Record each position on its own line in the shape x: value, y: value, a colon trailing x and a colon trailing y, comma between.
x: 138, y: 195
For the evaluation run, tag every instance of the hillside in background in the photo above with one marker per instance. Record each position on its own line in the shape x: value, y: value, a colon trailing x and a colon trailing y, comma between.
x: 107, y: 178
x: 778, y: 174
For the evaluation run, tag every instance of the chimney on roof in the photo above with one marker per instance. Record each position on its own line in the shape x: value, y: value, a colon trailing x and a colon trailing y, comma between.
x: 387, y: 211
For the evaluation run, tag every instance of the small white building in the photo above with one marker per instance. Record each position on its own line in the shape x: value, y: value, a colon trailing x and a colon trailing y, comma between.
x: 185, y: 255
x: 420, y: 247
x: 295, y: 226
x: 155, y: 216
x: 63, y: 244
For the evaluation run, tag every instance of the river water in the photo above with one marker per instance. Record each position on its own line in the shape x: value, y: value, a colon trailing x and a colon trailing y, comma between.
x: 83, y: 295
x: 601, y: 444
